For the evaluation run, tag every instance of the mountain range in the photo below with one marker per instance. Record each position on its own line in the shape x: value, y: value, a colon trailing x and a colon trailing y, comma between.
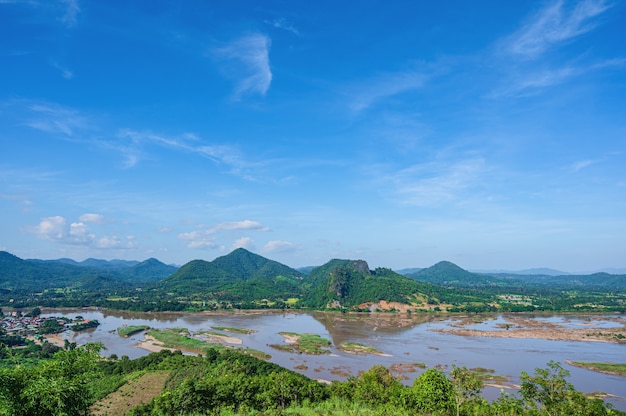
x: 250, y: 280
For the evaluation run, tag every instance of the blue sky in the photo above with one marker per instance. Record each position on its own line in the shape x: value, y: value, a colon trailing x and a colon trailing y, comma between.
x: 490, y: 134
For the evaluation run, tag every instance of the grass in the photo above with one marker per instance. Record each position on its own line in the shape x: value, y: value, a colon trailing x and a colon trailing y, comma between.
x: 128, y: 330
x: 357, y: 348
x: 308, y: 343
x: 234, y: 330
x: 216, y: 334
x: 255, y: 353
x: 482, y: 370
x: 607, y: 368
x: 282, y: 347
x: 172, y: 338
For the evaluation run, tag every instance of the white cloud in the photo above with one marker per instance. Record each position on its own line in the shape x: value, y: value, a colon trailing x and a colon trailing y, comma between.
x: 53, y: 228
x: 277, y: 246
x: 206, y: 237
x: 241, y: 225
x: 95, y: 218
x: 57, y: 229
x: 243, y: 242
x: 384, y: 86
x: 247, y: 61
x: 554, y: 25
x: 79, y: 234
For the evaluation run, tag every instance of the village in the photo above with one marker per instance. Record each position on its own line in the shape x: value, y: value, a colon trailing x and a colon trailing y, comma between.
x: 31, y: 324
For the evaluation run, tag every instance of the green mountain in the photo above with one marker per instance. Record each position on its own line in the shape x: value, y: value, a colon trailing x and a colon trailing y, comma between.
x: 448, y: 274
x: 148, y: 271
x: 239, y: 276
x: 246, y: 265
x: 17, y: 274
x: 351, y: 284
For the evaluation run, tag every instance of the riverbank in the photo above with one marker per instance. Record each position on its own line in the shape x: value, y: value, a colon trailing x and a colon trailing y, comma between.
x: 524, y: 327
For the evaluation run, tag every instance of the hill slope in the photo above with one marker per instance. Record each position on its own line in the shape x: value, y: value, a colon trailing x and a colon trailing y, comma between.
x: 238, y: 276
x: 449, y: 274
x: 351, y: 284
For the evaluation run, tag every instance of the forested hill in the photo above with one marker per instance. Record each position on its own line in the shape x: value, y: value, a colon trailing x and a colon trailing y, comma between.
x: 238, y: 276
x: 36, y: 275
x: 449, y: 274
x: 242, y: 279
x: 351, y: 284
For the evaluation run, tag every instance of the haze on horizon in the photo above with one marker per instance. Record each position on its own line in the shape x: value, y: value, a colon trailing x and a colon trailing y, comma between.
x: 489, y: 135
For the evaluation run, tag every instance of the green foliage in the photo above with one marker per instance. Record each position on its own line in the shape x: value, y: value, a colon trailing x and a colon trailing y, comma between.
x: 50, y: 326
x: 467, y: 387
x: 548, y: 391
x: 433, y: 393
x: 57, y: 386
x: 128, y: 330
x: 377, y: 386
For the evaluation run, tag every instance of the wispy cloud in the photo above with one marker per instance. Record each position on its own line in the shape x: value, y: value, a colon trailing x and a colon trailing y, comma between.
x: 94, y: 218
x: 436, y: 183
x: 582, y: 164
x: 246, y: 60
x: 278, y: 246
x: 133, y: 143
x: 72, y: 9
x: 243, y: 242
x: 387, y: 85
x: 65, y: 73
x: 54, y: 119
x: 533, y: 81
x: 281, y: 23
x: 553, y: 25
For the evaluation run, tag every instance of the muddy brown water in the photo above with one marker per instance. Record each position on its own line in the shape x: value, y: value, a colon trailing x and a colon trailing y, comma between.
x: 403, y: 339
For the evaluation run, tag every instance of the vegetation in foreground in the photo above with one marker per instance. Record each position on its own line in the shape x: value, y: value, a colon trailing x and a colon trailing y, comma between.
x: 80, y: 382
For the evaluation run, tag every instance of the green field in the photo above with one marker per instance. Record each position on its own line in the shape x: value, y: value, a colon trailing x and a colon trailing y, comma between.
x: 357, y: 348
x: 608, y: 368
x: 308, y: 343
x: 234, y: 330
x: 128, y: 330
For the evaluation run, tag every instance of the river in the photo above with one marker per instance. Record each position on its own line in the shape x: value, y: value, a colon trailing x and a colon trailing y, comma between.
x: 403, y: 339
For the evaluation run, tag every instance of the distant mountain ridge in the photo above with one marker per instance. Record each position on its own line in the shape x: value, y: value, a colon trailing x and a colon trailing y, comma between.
x: 243, y: 279
x: 33, y: 274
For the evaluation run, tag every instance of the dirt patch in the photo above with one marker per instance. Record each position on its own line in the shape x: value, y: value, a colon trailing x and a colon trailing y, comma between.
x: 521, y: 327
x: 131, y: 394
x: 220, y: 339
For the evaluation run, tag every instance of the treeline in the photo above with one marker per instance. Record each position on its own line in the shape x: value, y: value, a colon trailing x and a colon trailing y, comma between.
x: 232, y: 383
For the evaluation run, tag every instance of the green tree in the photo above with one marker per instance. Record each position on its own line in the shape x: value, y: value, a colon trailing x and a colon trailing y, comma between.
x: 548, y: 391
x: 377, y: 386
x: 467, y: 386
x: 55, y: 387
x: 433, y: 393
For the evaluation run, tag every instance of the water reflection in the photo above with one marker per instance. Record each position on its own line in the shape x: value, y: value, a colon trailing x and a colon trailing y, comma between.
x: 403, y: 339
